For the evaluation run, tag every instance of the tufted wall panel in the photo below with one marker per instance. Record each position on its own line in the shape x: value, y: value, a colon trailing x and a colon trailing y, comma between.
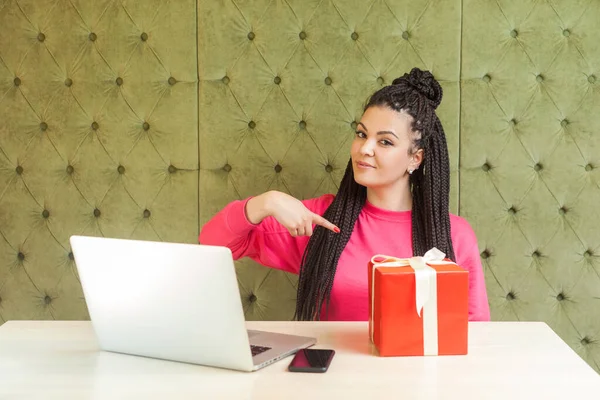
x: 282, y: 86
x: 98, y: 122
x: 142, y: 119
x: 529, y: 157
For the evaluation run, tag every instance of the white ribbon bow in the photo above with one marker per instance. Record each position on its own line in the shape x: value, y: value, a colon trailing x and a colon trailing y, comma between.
x: 426, y: 291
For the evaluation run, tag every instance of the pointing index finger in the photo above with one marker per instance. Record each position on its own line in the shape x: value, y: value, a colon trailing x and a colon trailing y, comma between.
x: 317, y: 219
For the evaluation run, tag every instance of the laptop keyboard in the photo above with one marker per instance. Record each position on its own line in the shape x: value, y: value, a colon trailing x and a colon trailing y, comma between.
x: 256, y: 350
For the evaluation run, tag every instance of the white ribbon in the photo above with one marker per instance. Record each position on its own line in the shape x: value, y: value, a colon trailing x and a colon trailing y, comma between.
x: 426, y: 291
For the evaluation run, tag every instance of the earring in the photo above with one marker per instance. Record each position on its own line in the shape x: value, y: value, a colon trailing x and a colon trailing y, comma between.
x: 410, y: 171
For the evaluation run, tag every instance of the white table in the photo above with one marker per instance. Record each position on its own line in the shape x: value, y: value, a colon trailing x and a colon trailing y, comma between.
x: 507, y: 360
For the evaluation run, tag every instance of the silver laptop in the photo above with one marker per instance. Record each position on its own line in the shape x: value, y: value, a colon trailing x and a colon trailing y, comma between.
x: 172, y: 301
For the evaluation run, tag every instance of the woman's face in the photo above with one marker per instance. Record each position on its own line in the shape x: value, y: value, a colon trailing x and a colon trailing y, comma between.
x: 382, y: 151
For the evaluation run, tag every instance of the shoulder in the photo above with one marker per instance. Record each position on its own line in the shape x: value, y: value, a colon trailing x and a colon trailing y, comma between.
x: 465, y: 243
x: 460, y: 224
x: 319, y: 205
x: 463, y: 235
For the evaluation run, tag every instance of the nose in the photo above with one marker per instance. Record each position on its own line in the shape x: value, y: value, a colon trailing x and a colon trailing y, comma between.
x: 367, y: 148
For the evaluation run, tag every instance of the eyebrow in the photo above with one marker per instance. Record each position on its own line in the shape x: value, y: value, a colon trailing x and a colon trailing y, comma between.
x: 380, y: 132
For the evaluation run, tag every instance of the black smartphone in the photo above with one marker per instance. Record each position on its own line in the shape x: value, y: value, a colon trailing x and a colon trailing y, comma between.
x: 311, y: 360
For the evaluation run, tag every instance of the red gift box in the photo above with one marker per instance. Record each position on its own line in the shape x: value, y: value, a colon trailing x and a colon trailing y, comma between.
x: 418, y: 306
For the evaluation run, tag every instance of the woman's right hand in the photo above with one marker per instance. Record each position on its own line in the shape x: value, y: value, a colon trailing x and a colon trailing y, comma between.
x: 288, y: 211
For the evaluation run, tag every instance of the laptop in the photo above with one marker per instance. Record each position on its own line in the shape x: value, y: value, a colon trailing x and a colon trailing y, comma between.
x: 172, y: 301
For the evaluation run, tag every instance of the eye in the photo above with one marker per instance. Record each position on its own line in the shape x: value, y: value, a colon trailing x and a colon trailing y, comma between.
x: 360, y: 134
x: 386, y: 143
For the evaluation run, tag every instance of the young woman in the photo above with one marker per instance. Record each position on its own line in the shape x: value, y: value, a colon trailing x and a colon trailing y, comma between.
x: 393, y: 200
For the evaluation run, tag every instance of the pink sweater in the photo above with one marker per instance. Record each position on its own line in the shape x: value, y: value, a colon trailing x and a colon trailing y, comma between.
x: 270, y: 244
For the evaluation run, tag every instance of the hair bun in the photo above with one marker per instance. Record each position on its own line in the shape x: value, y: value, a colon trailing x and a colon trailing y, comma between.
x: 425, y: 83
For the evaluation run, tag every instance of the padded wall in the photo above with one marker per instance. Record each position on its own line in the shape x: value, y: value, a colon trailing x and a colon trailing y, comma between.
x: 98, y: 136
x: 529, y: 143
x: 282, y: 85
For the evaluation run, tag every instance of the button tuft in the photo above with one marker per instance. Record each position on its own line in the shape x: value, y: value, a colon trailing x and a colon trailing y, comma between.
x: 146, y: 213
x: 511, y: 296
x: 47, y: 300
x: 121, y: 169
x: 97, y: 213
x: 302, y: 35
x: 538, y: 167
x: 514, y: 33
x: 566, y: 33
x: 302, y: 124
x: 589, y: 167
x: 354, y: 36
x: 46, y: 214
x: 144, y: 36
x: 172, y: 169
x: 21, y: 256
x: 119, y: 81
x: 225, y: 80
x: 252, y: 298
x: 68, y: 82
x: 563, y: 210
x: 251, y: 36
x: 277, y: 80
x: 71, y: 256
x: 485, y: 254
x: 539, y: 78
x: 536, y: 254
x: 19, y: 170
x: 328, y: 168
x: 587, y: 340
x: 251, y: 124
x: 380, y: 80
x: 227, y: 168
x: 354, y: 125
x: 95, y: 126
x: 278, y: 168
x: 92, y: 36
x: 41, y: 37
x: 70, y: 169
x: 328, y: 81
x: 512, y: 210
x: 560, y: 297
x: 43, y: 126
x: 486, y: 78
x: 405, y: 35
x: 171, y: 81
x: 146, y: 126
x: 17, y: 81
x: 591, y: 79
x: 486, y: 167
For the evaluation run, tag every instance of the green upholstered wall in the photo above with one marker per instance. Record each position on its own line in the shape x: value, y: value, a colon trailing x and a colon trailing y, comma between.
x: 142, y: 119
x: 98, y: 136
x: 529, y: 141
x: 281, y: 87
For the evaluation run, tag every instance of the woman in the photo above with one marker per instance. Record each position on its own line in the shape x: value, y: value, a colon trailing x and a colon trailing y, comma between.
x: 393, y: 199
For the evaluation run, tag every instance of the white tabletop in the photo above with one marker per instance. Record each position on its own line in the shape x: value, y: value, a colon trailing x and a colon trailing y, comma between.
x: 507, y: 360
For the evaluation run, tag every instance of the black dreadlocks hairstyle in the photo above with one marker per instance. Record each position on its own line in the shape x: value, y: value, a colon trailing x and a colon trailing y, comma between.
x: 418, y: 94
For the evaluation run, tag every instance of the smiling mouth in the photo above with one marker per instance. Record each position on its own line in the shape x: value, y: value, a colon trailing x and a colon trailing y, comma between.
x: 364, y: 165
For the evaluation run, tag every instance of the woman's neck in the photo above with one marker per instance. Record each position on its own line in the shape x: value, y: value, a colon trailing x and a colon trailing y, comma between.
x: 397, y: 198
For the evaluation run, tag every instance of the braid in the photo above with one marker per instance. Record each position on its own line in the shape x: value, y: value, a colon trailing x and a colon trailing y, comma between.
x: 431, y: 193
x: 418, y: 94
x: 319, y: 261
